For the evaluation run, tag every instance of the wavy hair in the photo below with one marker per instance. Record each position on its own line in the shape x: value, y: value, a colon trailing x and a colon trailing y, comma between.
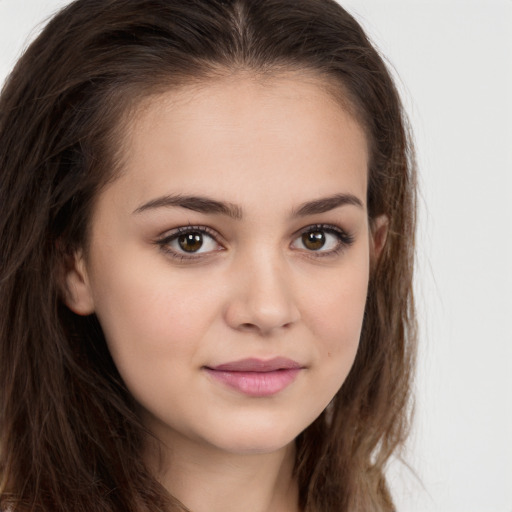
x: 69, y: 435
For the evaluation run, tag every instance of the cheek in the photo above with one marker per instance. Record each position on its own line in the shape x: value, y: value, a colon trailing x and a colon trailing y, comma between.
x: 337, y: 313
x: 153, y: 315
x: 336, y: 318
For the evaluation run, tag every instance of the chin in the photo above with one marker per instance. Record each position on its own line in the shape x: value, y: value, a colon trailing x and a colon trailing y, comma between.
x: 256, y: 447
x: 257, y: 440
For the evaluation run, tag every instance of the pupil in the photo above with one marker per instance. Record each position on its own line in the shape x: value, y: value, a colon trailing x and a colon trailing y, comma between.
x: 314, y: 240
x: 191, y: 242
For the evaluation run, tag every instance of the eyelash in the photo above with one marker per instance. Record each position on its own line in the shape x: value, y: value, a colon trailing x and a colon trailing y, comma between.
x: 164, y: 243
x: 345, y: 240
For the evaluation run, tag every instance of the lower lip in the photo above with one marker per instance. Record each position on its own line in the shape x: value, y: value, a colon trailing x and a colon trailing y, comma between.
x: 257, y: 384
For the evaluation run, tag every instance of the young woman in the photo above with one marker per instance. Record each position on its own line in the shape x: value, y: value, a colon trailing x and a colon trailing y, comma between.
x: 207, y: 232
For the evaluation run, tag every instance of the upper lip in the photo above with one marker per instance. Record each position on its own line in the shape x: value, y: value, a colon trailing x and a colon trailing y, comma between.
x: 257, y: 365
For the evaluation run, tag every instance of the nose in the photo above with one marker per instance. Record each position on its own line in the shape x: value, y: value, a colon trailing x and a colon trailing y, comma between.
x: 263, y: 299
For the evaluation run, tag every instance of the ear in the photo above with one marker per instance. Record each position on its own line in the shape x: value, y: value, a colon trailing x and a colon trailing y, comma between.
x: 379, y: 235
x: 77, y: 290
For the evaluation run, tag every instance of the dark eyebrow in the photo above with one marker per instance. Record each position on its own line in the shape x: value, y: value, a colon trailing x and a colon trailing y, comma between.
x: 197, y: 203
x: 206, y: 205
x: 326, y: 204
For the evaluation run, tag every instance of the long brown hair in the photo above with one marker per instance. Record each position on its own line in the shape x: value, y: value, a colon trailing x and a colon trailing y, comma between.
x: 69, y: 435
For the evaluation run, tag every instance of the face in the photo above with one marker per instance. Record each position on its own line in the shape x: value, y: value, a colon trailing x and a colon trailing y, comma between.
x: 228, y: 264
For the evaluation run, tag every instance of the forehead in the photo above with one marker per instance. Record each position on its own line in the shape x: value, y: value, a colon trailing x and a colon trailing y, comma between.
x: 244, y: 129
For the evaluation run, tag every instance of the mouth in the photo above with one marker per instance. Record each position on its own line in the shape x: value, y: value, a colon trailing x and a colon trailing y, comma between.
x: 256, y: 377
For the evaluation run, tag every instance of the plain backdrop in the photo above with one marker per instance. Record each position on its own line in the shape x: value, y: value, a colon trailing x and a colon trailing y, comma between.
x: 453, y: 63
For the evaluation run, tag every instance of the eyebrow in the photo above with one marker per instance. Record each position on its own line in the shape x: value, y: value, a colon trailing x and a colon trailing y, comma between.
x: 326, y: 204
x: 207, y: 205
x: 197, y: 203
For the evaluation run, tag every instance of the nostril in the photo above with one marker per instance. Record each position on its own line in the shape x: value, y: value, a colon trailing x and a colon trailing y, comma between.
x: 248, y: 327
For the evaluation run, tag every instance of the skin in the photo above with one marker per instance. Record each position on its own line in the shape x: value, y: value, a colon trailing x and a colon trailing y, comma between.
x: 253, y: 290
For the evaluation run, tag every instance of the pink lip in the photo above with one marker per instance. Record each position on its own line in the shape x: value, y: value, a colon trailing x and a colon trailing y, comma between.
x: 256, y: 377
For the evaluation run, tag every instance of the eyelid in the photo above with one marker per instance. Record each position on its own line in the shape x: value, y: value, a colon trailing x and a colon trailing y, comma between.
x: 345, y: 239
x: 164, y: 241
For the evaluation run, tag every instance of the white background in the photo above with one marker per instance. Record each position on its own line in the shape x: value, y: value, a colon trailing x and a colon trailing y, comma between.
x: 453, y: 62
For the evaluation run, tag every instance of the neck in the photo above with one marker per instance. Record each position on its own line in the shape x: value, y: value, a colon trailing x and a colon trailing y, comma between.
x: 206, y: 479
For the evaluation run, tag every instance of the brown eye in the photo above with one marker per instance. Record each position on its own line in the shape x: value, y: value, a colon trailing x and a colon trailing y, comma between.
x: 313, y: 240
x: 322, y: 240
x: 190, y: 242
